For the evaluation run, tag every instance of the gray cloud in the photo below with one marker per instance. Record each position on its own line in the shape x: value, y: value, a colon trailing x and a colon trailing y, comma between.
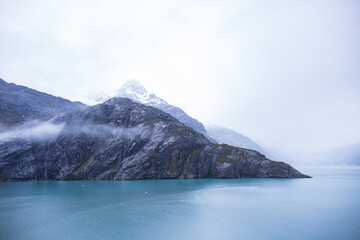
x: 284, y: 73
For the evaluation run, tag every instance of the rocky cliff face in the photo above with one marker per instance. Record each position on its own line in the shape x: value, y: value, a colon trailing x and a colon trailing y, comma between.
x: 122, y: 139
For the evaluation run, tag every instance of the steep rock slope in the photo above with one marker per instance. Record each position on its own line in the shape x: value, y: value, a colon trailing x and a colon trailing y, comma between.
x: 135, y: 91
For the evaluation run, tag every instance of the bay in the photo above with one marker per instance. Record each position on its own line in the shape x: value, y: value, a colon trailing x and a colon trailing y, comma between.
x: 323, y: 207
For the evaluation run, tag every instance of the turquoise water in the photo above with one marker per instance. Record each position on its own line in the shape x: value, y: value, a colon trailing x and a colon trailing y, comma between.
x: 324, y: 207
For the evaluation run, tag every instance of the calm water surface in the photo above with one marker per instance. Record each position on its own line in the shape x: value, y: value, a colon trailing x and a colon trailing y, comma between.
x: 324, y: 207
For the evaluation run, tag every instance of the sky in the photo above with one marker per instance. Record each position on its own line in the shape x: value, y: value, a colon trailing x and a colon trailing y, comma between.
x: 284, y: 73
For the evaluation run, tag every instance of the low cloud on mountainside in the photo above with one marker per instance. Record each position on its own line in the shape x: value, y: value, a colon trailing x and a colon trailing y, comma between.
x: 35, y: 130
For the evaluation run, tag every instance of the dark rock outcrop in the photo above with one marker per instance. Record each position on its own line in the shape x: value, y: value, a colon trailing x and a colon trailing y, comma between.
x: 122, y: 139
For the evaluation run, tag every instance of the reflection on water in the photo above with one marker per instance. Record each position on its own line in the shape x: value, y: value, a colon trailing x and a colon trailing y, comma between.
x: 324, y: 207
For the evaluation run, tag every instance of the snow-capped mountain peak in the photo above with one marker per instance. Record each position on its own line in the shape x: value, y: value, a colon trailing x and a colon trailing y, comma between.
x: 133, y: 86
x: 134, y: 90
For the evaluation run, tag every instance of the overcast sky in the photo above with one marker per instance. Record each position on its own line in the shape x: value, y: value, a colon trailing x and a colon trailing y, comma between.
x: 285, y: 73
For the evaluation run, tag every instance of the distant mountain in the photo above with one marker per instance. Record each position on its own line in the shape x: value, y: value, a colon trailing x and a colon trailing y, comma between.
x: 135, y: 91
x: 118, y: 139
x: 228, y: 136
x: 19, y: 104
x: 346, y: 155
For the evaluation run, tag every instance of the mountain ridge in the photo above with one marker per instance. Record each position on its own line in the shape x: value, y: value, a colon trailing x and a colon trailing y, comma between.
x: 19, y: 103
x: 122, y: 139
x: 134, y: 90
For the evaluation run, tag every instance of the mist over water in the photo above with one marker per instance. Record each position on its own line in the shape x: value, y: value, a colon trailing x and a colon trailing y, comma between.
x: 324, y: 207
